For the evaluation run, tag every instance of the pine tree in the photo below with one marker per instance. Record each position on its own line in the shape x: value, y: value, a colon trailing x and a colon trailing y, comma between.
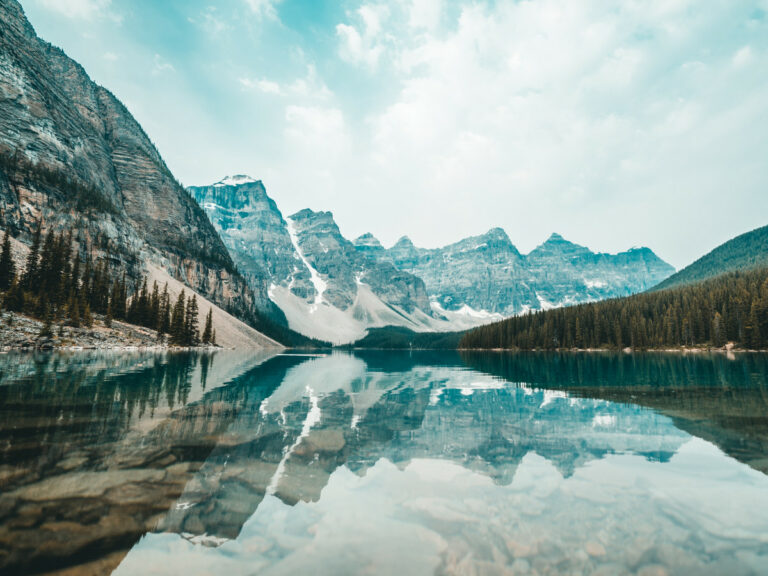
x: 87, y: 317
x: 718, y: 331
x: 154, y: 307
x: 208, y: 330
x: 46, y: 331
x: 14, y: 298
x: 164, y: 314
x: 178, y: 321
x: 33, y: 258
x: 73, y: 311
x: 74, y: 278
x: 7, y: 266
x: 192, y: 332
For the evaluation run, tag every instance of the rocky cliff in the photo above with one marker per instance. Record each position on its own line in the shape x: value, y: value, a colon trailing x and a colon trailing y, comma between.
x: 72, y: 156
x: 304, y: 266
x: 487, y: 273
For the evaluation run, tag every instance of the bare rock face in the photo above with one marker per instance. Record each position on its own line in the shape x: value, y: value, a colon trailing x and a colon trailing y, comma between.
x: 306, y: 254
x: 72, y: 155
x: 488, y: 273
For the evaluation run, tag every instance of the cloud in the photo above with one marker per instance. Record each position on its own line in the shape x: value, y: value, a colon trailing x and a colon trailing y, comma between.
x: 161, y: 66
x: 264, y: 9
x: 210, y: 21
x: 364, y: 43
x: 316, y: 124
x: 309, y: 86
x: 111, y: 57
x: 742, y: 57
x: 82, y: 9
x: 264, y: 86
x: 425, y: 13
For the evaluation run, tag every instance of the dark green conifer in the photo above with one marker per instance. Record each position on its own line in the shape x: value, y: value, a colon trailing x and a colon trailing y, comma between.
x: 208, y: 329
x: 192, y: 332
x: 177, y: 330
x: 30, y: 278
x: 7, y: 266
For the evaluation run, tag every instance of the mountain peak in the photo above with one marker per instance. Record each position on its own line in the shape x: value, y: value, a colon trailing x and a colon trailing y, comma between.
x: 236, y: 180
x: 368, y: 240
x: 308, y: 213
x: 497, y: 231
x: 404, y: 241
x: 555, y: 237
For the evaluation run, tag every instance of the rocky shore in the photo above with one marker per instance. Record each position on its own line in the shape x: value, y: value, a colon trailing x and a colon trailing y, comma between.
x: 18, y: 332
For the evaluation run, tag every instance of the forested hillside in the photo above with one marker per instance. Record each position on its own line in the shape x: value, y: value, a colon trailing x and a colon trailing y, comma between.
x: 745, y: 252
x: 729, y: 308
x: 400, y: 338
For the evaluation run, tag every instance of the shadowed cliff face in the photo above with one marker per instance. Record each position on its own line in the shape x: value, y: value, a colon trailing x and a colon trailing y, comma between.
x: 73, y: 155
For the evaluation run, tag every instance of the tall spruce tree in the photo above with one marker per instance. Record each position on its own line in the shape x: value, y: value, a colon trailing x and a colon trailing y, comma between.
x: 177, y: 330
x: 192, y: 331
x: 7, y: 266
x: 30, y: 278
x: 208, y: 329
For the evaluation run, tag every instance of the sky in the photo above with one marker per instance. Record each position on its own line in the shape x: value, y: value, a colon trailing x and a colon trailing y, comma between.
x: 614, y: 123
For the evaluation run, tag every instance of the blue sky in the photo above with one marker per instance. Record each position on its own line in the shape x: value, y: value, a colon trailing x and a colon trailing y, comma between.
x: 613, y: 123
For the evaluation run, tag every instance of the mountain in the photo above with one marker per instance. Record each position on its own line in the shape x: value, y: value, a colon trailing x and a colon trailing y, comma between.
x: 72, y: 156
x: 486, y: 274
x: 306, y: 274
x: 316, y: 280
x: 745, y: 252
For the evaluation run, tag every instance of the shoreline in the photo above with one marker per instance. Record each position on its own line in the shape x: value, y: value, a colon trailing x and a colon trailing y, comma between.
x: 20, y: 333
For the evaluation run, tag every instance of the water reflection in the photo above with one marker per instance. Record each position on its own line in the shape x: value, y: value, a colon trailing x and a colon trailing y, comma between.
x: 429, y: 462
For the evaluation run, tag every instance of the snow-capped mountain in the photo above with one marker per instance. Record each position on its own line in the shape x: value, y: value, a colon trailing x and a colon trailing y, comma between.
x: 487, y: 273
x: 309, y: 276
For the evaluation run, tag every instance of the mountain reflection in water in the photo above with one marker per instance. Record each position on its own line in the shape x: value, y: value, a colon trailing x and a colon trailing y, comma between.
x: 383, y: 462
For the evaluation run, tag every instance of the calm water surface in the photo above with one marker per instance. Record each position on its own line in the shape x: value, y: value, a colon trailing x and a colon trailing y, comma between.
x: 383, y: 463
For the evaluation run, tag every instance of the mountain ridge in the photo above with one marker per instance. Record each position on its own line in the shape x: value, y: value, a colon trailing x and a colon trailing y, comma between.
x: 315, y: 276
x: 743, y: 252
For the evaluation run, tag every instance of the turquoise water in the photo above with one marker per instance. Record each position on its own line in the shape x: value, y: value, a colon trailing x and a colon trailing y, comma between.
x: 384, y: 463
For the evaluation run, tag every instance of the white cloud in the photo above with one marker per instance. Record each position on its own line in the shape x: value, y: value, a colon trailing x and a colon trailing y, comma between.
x: 312, y: 123
x: 264, y: 8
x: 310, y: 86
x: 265, y: 86
x: 82, y: 9
x: 743, y: 57
x: 210, y: 21
x: 161, y: 66
x: 364, y: 43
x: 111, y: 57
x: 321, y: 150
x: 425, y: 13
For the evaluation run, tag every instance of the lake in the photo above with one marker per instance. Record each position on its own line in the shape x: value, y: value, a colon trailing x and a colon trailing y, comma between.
x: 383, y: 463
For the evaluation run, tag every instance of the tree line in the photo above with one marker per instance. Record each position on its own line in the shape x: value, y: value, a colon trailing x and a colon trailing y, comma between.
x: 730, y: 308
x: 61, y: 283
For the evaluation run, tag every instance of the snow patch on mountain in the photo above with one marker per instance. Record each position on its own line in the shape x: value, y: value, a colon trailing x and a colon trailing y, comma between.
x: 319, y: 284
x: 236, y: 180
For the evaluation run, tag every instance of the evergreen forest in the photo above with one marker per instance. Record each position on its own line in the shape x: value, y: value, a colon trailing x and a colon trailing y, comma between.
x: 730, y: 308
